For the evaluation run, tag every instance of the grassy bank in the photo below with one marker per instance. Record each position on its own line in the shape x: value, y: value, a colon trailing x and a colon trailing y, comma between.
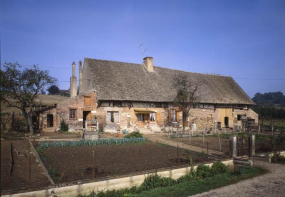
x: 202, y: 180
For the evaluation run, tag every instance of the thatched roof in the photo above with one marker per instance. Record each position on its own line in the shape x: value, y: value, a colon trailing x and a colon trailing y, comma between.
x: 132, y: 82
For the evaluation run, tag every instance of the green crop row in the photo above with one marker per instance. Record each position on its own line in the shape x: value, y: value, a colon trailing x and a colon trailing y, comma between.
x: 109, y: 141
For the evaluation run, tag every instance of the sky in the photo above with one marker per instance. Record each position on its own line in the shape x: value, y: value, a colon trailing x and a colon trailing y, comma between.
x: 242, y: 39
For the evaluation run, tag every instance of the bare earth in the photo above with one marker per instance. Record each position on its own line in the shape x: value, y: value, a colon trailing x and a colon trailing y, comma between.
x: 270, y: 184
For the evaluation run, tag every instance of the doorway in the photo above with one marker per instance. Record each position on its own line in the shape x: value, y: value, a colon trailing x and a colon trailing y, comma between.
x: 227, y: 122
x: 86, y: 116
x: 49, y: 120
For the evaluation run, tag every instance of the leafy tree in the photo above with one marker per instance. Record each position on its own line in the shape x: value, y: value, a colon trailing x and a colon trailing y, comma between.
x: 20, y: 87
x: 52, y: 90
x: 269, y: 98
x: 186, y: 95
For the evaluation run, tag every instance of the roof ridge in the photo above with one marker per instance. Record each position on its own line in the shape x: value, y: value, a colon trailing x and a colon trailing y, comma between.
x: 114, y: 61
x: 159, y: 67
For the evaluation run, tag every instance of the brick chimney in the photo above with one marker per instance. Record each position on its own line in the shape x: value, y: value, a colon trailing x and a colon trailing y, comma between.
x: 80, y: 77
x: 148, y: 62
x: 73, y: 82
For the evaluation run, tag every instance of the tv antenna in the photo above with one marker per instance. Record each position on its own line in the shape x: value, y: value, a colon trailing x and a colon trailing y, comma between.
x: 143, y: 49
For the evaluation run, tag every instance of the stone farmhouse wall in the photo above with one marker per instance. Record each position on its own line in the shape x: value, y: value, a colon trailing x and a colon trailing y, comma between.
x: 203, y: 116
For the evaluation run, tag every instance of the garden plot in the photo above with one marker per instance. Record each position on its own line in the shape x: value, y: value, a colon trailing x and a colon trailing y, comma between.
x: 19, y: 179
x: 70, y: 164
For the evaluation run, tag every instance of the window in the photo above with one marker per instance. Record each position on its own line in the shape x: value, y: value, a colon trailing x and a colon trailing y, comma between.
x: 210, y: 116
x: 140, y: 117
x: 72, y: 113
x: 238, y: 117
x: 152, y: 116
x: 173, y: 115
x: 87, y: 100
x: 112, y: 116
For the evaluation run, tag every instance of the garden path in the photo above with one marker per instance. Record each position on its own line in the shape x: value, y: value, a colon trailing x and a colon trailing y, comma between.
x: 270, y: 184
x: 162, y: 138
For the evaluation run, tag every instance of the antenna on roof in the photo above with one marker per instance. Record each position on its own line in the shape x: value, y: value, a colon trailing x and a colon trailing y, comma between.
x: 142, y: 49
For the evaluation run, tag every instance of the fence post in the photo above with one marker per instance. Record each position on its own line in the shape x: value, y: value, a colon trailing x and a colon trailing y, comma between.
x: 177, y: 156
x: 30, y: 170
x: 251, y: 145
x: 140, y: 162
x: 233, y: 146
x: 93, y: 165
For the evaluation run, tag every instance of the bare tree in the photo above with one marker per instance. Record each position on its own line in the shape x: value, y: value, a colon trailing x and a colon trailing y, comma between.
x: 20, y: 87
x: 186, y: 96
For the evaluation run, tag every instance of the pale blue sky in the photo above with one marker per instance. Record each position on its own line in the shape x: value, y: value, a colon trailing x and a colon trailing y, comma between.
x: 242, y: 39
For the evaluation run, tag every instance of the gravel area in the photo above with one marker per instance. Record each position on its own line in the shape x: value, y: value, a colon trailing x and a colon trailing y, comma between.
x: 270, y: 184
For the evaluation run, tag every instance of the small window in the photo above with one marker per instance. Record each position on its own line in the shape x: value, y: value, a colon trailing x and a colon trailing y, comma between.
x: 87, y: 100
x: 238, y: 117
x: 112, y: 116
x: 152, y: 117
x: 210, y: 116
x: 72, y: 113
x: 173, y: 115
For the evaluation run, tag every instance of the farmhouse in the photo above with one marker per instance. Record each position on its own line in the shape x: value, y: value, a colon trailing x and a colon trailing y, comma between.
x: 140, y: 96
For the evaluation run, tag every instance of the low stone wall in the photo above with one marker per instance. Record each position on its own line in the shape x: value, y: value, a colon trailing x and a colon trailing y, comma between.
x: 111, y: 184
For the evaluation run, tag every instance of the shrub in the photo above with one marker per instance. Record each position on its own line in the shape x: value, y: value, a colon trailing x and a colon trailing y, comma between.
x: 41, y: 153
x: 219, y: 168
x: 101, y: 129
x: 63, y: 126
x: 134, y: 134
x: 203, y: 171
x: 154, y: 181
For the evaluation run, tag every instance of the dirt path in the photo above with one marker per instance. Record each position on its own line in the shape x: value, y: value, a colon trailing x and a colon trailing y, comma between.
x: 161, y: 138
x: 271, y: 184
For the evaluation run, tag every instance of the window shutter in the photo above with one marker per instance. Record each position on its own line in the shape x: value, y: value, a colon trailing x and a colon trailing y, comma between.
x: 116, y: 116
x: 169, y: 115
x: 87, y: 100
x: 108, y: 117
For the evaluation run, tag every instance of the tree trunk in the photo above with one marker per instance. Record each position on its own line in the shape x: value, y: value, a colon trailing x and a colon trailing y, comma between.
x: 28, y: 118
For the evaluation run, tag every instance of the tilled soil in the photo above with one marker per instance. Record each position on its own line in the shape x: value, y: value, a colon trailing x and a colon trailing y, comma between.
x: 75, y: 163
x: 19, y: 179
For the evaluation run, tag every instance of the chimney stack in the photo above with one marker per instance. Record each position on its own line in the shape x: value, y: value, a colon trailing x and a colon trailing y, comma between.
x: 148, y: 62
x: 73, y: 82
x: 80, y: 77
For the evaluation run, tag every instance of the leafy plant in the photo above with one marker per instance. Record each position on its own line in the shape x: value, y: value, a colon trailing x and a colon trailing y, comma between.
x: 219, y: 168
x: 203, y: 171
x: 63, y: 126
x: 41, y: 153
x: 134, y: 134
x: 109, y: 141
x: 53, y: 173
x: 154, y: 181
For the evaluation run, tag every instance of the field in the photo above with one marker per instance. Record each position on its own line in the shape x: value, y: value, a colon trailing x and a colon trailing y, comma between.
x: 70, y: 164
x: 19, y: 180
x: 45, y: 100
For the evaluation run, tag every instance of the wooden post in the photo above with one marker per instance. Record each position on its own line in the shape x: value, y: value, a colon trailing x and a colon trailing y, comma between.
x: 208, y: 150
x: 242, y: 141
x: 140, y: 160
x: 177, y: 156
x: 30, y: 170
x: 93, y: 165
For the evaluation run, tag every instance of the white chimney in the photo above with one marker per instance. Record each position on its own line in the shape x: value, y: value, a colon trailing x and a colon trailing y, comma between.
x: 73, y: 82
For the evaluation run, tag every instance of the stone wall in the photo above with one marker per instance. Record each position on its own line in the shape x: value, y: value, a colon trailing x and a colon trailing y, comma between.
x: 78, y: 104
